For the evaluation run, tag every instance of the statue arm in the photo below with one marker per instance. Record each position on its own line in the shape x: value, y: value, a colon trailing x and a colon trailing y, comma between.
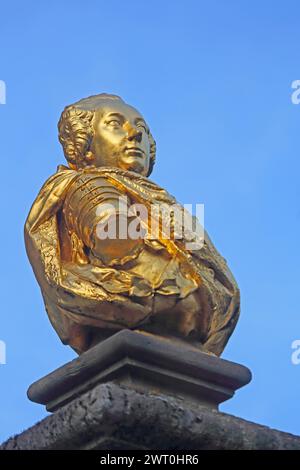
x: 101, y: 221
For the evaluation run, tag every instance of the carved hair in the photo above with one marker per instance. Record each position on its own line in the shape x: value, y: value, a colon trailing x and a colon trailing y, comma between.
x: 76, y: 129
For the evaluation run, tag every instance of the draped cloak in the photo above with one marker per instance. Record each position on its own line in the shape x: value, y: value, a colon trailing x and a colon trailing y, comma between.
x: 77, y: 297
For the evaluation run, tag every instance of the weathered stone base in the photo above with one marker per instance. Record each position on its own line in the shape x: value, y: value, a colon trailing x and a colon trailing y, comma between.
x: 136, y: 390
x: 112, y: 416
x: 146, y: 363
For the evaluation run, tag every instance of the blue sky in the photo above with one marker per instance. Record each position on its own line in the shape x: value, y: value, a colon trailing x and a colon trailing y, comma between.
x: 213, y: 80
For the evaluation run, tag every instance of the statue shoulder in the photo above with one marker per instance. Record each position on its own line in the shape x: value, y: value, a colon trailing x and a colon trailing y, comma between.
x: 50, y: 198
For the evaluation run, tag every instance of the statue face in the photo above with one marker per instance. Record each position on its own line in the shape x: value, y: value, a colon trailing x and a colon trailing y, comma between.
x: 120, y: 138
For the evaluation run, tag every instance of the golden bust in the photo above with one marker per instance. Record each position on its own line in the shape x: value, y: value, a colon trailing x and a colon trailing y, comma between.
x: 94, y: 286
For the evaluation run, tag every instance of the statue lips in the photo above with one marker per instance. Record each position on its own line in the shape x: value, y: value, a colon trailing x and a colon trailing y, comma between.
x: 134, y: 151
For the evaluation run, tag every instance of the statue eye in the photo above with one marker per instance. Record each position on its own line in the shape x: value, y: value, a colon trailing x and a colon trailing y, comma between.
x: 142, y: 125
x: 114, y: 123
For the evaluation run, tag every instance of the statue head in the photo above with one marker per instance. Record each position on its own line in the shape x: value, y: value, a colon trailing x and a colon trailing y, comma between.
x: 103, y: 130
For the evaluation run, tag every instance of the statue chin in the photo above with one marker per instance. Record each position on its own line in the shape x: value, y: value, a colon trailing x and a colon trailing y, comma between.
x: 132, y: 163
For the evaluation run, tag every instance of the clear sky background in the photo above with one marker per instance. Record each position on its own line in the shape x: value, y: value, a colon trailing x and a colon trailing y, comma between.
x: 213, y: 79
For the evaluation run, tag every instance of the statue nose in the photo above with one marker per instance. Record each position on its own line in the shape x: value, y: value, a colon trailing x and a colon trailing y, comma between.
x: 133, y: 133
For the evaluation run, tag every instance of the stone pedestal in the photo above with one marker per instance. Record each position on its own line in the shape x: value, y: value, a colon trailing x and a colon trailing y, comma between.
x: 147, y: 364
x: 138, y: 391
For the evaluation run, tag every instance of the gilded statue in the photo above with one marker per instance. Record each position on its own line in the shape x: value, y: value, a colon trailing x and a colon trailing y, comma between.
x: 94, y: 286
